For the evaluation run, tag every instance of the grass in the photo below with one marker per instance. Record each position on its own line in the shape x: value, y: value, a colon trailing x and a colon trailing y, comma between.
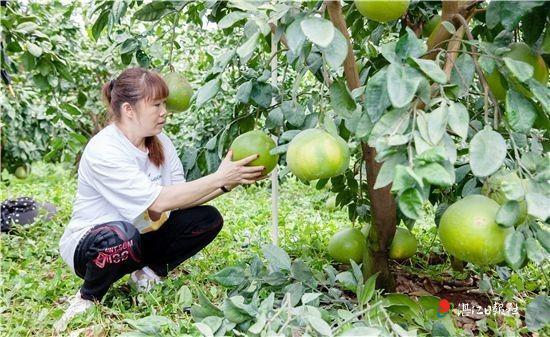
x: 35, y: 281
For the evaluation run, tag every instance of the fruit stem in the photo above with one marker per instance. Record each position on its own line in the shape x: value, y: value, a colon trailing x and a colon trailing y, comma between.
x: 172, y: 40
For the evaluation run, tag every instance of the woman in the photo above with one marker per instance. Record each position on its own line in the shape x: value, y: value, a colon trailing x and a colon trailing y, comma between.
x: 134, y: 211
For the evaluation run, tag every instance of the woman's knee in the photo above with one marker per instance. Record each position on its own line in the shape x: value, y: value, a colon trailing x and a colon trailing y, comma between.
x: 123, y: 246
x: 213, y: 215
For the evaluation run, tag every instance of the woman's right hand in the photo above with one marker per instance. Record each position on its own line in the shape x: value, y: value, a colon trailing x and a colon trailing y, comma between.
x: 233, y: 173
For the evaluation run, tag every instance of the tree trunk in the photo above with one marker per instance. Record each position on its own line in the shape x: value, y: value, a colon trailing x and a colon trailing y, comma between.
x: 383, y: 206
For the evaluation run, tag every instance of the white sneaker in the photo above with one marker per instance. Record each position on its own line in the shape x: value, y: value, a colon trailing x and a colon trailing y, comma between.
x: 144, y: 279
x: 77, y: 305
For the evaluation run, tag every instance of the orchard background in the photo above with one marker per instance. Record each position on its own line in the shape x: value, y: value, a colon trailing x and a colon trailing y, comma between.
x: 437, y: 103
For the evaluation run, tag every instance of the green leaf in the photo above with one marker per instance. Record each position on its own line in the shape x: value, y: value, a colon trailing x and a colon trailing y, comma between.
x: 395, y: 121
x: 520, y: 113
x: 33, y: 49
x: 319, y: 325
x: 347, y: 281
x: 514, y: 249
x: 368, y: 289
x: 459, y: 119
x: 301, y: 272
x: 535, y: 252
x: 410, y: 203
x: 129, y: 45
x: 293, y: 113
x: 277, y: 258
x: 243, y: 92
x: 230, y: 276
x: 274, y: 119
x: 434, y: 174
x: 387, y: 171
x: 330, y: 127
x: 541, y: 93
x: 432, y: 69
x: 245, y: 51
x: 204, y: 329
x: 295, y: 36
x: 508, y: 214
x: 538, y: 204
x: 449, y: 27
x: 100, y: 24
x: 340, y: 99
x: 117, y: 11
x: 337, y: 50
x: 487, y: 152
x: 207, y: 92
x: 410, y: 46
x: 543, y: 236
x: 508, y: 13
x: 537, y: 314
x: 26, y: 27
x: 401, y: 82
x: 71, y: 109
x: 318, y: 31
x: 361, y: 331
x: 222, y: 61
x: 376, y: 96
x: 232, y: 18
x: 236, y: 311
x: 437, y: 123
x: 404, y: 178
x: 463, y: 73
x: 439, y: 329
x: 184, y: 297
x: 262, y: 94
x: 154, y: 11
x: 521, y: 70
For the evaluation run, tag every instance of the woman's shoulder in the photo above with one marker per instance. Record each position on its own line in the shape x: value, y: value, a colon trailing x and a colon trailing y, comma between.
x: 104, y: 143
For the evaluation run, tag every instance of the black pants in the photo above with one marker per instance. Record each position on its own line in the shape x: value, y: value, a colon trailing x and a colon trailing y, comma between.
x: 112, y: 250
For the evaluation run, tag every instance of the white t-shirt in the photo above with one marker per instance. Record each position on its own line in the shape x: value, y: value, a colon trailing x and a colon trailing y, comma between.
x: 117, y: 182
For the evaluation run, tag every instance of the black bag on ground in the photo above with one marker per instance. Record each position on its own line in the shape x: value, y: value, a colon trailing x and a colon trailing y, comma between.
x: 24, y: 211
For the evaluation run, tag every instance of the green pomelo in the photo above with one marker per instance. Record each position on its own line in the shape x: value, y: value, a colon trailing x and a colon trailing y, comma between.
x: 316, y: 154
x: 404, y: 244
x: 382, y: 11
x: 21, y: 172
x: 347, y: 244
x: 179, y: 97
x: 519, y: 52
x: 255, y: 142
x: 469, y: 232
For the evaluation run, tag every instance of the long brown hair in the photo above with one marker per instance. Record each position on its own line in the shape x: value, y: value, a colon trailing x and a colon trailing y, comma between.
x: 132, y: 85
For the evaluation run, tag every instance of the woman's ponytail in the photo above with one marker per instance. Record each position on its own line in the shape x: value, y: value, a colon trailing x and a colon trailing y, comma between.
x: 156, y: 153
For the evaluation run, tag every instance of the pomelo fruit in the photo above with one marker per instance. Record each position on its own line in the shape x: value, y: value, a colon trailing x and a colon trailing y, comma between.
x: 347, y: 244
x: 469, y: 232
x: 255, y: 142
x: 382, y: 11
x: 519, y: 52
x: 403, y: 245
x: 179, y: 98
x: 21, y: 172
x: 316, y: 154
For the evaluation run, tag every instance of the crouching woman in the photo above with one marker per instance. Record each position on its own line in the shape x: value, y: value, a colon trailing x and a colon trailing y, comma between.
x: 134, y: 212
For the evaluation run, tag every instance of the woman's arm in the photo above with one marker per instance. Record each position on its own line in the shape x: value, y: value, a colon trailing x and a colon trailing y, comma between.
x: 184, y: 195
x: 207, y: 198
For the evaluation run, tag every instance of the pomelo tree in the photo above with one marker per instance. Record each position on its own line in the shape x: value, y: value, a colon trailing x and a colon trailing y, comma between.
x: 420, y: 115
